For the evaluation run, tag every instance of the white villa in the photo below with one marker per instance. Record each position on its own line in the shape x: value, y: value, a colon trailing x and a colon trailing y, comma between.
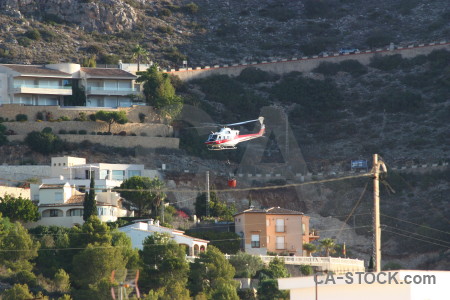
x: 50, y: 84
x: 140, y: 230
x: 76, y: 172
x: 62, y: 205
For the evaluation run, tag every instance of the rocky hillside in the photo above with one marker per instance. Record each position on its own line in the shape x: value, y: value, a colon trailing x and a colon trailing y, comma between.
x: 209, y: 32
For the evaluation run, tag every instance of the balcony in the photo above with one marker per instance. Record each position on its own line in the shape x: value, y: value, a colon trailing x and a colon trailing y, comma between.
x: 110, y: 91
x: 42, y: 89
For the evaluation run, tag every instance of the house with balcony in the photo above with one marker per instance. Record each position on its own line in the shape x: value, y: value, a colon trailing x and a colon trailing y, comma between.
x: 50, y: 84
x: 274, y: 229
x: 76, y: 172
x: 140, y: 230
x: 36, y: 84
x: 62, y: 205
x: 108, y: 87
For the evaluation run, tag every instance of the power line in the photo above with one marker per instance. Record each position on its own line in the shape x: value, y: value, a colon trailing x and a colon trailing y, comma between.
x: 384, y: 215
x: 408, y: 236
x: 423, y: 236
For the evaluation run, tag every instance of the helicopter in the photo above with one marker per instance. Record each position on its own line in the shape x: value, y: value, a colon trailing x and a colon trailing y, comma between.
x: 227, y: 138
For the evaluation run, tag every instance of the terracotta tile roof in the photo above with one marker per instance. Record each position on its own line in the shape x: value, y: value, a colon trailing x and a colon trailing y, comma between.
x: 107, y: 72
x: 36, y: 70
x: 271, y: 211
x: 75, y: 199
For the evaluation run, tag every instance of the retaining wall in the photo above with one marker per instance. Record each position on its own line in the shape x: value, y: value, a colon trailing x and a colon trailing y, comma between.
x: 14, y: 191
x: 11, y: 110
x: 306, y: 63
x: 23, y: 128
x: 116, y: 141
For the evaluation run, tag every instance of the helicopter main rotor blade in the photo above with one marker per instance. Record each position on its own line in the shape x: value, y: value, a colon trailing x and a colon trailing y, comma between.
x: 260, y: 119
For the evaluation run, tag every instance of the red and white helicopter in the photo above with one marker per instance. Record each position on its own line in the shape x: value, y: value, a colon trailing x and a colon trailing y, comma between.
x: 228, y: 138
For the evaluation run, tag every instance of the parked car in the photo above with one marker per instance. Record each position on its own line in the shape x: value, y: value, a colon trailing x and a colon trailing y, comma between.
x: 348, y: 50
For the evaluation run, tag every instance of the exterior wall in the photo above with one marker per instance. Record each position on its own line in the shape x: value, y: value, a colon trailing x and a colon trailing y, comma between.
x: 59, y: 165
x: 293, y: 235
x: 4, y: 98
x: 301, y: 64
x: 47, y: 196
x: 15, y: 192
x: 117, y: 141
x: 252, y: 223
x: 11, y: 110
x: 137, y: 128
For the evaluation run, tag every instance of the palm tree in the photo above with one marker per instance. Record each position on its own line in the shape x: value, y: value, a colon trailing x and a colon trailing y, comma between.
x: 310, y: 248
x: 328, y: 245
x: 138, y: 53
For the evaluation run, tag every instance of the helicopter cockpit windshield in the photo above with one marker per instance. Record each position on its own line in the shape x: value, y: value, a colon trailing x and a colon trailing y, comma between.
x: 212, y: 138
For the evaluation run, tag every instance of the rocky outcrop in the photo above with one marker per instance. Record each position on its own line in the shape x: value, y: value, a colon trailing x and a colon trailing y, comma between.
x: 100, y: 15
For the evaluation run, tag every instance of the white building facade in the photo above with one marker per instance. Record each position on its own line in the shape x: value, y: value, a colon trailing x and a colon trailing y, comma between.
x: 139, y: 231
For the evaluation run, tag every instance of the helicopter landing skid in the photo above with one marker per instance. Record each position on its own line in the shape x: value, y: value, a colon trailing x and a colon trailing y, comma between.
x: 222, y: 148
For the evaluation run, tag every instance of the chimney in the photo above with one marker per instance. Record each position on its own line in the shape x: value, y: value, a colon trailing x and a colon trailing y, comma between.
x: 150, y: 222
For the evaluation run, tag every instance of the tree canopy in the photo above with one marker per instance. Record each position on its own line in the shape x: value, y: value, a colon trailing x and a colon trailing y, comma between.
x: 328, y: 245
x: 18, y: 209
x: 217, y: 208
x: 160, y: 93
x: 145, y: 194
x: 44, y: 143
x: 111, y: 117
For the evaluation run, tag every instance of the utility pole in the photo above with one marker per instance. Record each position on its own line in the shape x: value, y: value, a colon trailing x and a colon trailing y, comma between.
x: 207, y: 193
x: 376, y: 206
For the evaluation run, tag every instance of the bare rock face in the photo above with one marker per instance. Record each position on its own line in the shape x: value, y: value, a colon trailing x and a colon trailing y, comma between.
x: 100, y: 15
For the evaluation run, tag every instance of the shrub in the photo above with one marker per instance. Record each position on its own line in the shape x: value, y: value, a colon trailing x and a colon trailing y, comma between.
x: 24, y: 41
x: 386, y: 63
x: 99, y: 133
x: 143, y: 134
x: 64, y: 118
x: 107, y: 133
x: 122, y: 133
x: 378, y: 39
x: 93, y: 133
x: 33, y: 34
x: 62, y: 131
x: 165, y: 12
x: 191, y: 8
x: 44, y: 143
x: 48, y: 35
x: 21, y: 118
x: 81, y: 117
x: 394, y: 101
x: 92, y: 117
x: 39, y: 116
x: 2, y: 119
x: 327, y: 68
x: 73, y: 131
x: 47, y: 130
x: 142, y: 117
x: 82, y: 131
x: 278, y: 12
x: 165, y: 29
x: 253, y: 75
x: 354, y: 67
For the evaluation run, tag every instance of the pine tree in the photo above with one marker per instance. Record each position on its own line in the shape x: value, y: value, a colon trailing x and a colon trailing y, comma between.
x: 89, y: 204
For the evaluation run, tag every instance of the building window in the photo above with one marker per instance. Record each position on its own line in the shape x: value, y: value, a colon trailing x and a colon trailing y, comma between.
x: 118, y: 175
x: 280, y: 243
x: 53, y: 212
x: 59, y: 196
x: 303, y: 228
x: 104, y: 174
x: 255, y: 240
x: 132, y: 173
x: 279, y: 227
x: 89, y: 174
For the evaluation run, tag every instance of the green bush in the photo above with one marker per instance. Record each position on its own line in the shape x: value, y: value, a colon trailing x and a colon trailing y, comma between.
x: 395, y: 101
x: 82, y: 131
x: 62, y: 131
x: 21, y: 118
x: 165, y: 29
x: 318, y: 45
x: 64, y: 118
x: 191, y: 8
x: 48, y: 35
x: 92, y: 117
x: 165, y: 12
x: 387, y: 62
x: 73, y: 131
x: 40, y: 116
x: 24, y: 41
x: 44, y: 143
x: 254, y: 75
x: 142, y: 117
x: 33, y: 34
x: 379, y: 39
x: 327, y: 68
x: 354, y: 67
x: 47, y: 130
